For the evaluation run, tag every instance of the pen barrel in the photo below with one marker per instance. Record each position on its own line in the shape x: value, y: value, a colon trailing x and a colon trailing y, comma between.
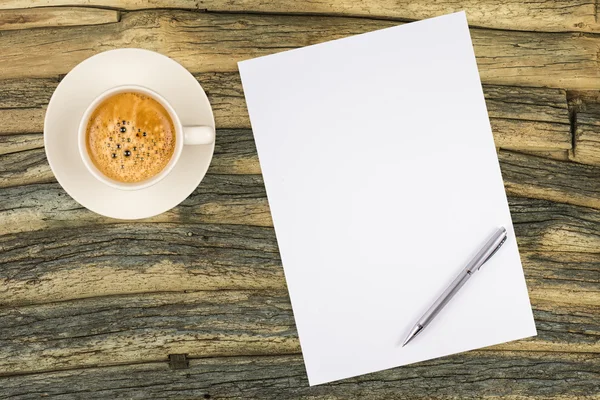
x: 441, y: 302
x: 484, y: 254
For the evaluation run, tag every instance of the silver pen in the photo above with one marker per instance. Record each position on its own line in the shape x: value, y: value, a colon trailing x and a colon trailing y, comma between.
x: 482, y: 256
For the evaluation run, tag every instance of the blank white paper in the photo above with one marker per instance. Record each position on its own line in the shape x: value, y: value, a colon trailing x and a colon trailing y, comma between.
x: 383, y: 181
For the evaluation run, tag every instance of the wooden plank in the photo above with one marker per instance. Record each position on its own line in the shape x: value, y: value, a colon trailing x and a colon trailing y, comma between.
x: 24, y: 168
x: 226, y: 95
x: 126, y: 329
x: 521, y: 118
x: 55, y: 16
x: 528, y: 118
x: 26, y: 92
x: 118, y: 259
x: 529, y: 135
x: 224, y: 199
x: 142, y: 328
x: 547, y: 226
x: 562, y: 277
x: 539, y: 15
x: 558, y: 155
x: 525, y: 103
x: 587, y: 145
x: 205, y: 42
x: 509, y: 134
x: 586, y: 119
x: 542, y: 178
x: 213, y: 250
x: 524, y: 175
x: 16, y: 143
x: 21, y: 120
x: 21, y: 102
x: 235, y: 153
x: 588, y: 114
x: 477, y: 374
x: 240, y: 199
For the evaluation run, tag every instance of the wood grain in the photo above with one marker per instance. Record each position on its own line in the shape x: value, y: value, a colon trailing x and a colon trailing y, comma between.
x: 117, y: 258
x: 475, y: 375
x: 524, y: 175
x: 585, y: 107
x: 21, y: 120
x: 562, y: 277
x: 22, y: 102
x: 525, y: 103
x: 512, y: 134
x: 127, y: 329
x: 587, y: 139
x: 542, y: 178
x: 528, y: 118
x: 226, y: 95
x: 543, y: 225
x: 78, y: 290
x: 204, y: 42
x: 55, y: 16
x: 523, y: 118
x: 235, y: 153
x: 530, y: 135
x: 537, y: 15
x: 222, y: 238
x: 558, y: 155
x: 117, y: 330
x: 17, y: 143
x: 24, y: 167
x: 26, y: 92
x: 225, y: 199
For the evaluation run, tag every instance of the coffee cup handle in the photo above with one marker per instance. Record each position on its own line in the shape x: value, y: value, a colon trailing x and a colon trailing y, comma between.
x: 198, y: 134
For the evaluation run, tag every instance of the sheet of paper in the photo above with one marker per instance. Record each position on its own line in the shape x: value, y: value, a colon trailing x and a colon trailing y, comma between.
x: 383, y: 180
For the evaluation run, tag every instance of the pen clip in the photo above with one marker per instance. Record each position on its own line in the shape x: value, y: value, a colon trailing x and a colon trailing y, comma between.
x: 493, y: 252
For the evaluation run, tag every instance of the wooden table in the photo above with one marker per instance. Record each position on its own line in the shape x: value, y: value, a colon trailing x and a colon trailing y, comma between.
x: 193, y: 303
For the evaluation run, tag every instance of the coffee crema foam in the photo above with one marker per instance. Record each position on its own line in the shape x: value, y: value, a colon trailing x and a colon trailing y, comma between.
x: 130, y: 137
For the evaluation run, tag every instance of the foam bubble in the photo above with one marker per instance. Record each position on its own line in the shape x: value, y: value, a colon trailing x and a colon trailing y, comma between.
x: 140, y: 114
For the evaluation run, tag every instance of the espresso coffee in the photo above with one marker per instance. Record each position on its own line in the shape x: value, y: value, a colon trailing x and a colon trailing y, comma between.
x: 130, y: 137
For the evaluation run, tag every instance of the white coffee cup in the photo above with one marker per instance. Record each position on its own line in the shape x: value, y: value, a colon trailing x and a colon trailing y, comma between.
x: 185, y: 135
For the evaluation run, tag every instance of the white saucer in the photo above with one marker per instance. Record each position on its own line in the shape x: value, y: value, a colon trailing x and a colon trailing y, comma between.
x: 88, y: 80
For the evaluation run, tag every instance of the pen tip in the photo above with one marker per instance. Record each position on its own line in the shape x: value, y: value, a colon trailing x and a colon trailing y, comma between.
x: 414, y: 332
